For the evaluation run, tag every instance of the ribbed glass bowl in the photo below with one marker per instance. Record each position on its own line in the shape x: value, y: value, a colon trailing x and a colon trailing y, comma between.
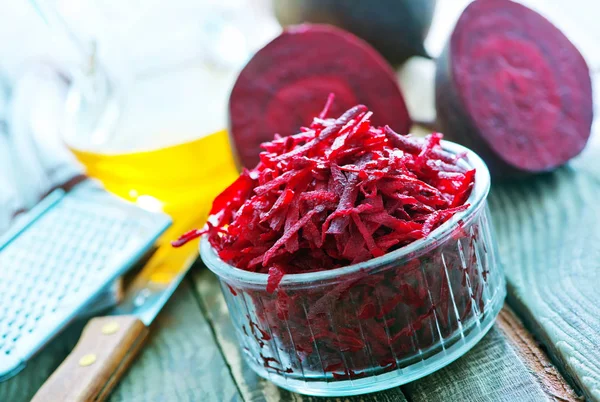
x: 377, y: 324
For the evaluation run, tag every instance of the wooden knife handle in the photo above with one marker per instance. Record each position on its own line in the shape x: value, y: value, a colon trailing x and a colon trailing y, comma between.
x: 106, y: 348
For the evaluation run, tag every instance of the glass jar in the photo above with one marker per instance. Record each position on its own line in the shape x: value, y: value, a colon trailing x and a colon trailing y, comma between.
x: 377, y: 324
x: 149, y: 74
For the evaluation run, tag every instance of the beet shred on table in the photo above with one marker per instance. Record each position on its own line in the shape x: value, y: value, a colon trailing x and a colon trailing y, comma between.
x: 512, y: 87
x: 341, y: 192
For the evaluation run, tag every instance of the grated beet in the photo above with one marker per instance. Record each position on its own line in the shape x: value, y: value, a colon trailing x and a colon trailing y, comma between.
x: 282, y: 87
x: 512, y: 87
x: 340, y: 181
x: 340, y: 192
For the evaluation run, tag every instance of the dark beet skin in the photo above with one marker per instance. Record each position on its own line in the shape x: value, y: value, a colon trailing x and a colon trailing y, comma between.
x: 512, y: 87
x: 287, y: 83
x: 396, y: 28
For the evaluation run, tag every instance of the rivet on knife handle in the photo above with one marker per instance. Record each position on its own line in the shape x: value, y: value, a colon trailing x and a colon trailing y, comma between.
x: 104, y: 351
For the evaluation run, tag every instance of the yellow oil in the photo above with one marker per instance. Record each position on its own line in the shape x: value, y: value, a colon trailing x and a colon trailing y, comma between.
x: 180, y: 180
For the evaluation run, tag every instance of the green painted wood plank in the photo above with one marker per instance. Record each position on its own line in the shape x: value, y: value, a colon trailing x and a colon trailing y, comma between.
x: 548, y: 231
x: 491, y: 371
x: 506, y: 365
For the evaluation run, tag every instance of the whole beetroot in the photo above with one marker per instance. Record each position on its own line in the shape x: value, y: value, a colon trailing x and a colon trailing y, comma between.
x: 396, y: 28
x: 511, y: 86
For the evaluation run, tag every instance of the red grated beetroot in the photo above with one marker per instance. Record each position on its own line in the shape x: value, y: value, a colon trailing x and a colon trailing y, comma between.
x: 512, y: 87
x: 340, y: 181
x: 282, y: 87
x: 341, y: 192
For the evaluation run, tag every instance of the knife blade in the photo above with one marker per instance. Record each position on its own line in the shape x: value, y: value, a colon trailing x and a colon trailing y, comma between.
x: 108, y: 344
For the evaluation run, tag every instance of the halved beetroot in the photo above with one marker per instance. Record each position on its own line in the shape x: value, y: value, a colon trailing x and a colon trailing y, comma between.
x: 283, y: 86
x: 512, y: 87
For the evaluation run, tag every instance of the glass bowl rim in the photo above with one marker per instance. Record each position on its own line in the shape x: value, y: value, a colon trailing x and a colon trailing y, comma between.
x: 413, y: 250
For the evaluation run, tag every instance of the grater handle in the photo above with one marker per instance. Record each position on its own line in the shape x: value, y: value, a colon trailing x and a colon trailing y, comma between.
x: 106, y: 348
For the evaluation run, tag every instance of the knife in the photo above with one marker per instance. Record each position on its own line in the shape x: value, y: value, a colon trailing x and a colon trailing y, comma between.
x: 108, y: 344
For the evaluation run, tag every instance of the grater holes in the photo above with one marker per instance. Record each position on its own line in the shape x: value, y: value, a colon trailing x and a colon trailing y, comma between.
x: 46, y: 270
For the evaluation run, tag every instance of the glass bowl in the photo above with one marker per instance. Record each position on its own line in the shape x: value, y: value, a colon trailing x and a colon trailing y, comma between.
x: 378, y: 324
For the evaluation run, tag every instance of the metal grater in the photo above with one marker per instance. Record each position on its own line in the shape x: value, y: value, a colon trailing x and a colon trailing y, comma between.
x: 63, y: 255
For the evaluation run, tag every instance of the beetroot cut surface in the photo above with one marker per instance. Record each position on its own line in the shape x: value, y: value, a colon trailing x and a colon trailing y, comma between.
x: 284, y: 84
x: 511, y: 86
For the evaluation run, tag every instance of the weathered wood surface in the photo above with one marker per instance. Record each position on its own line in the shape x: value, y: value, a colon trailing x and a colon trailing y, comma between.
x: 506, y: 365
x: 180, y: 361
x: 548, y: 231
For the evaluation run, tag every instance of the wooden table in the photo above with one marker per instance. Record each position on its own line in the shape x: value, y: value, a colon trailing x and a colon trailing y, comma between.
x: 548, y: 230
